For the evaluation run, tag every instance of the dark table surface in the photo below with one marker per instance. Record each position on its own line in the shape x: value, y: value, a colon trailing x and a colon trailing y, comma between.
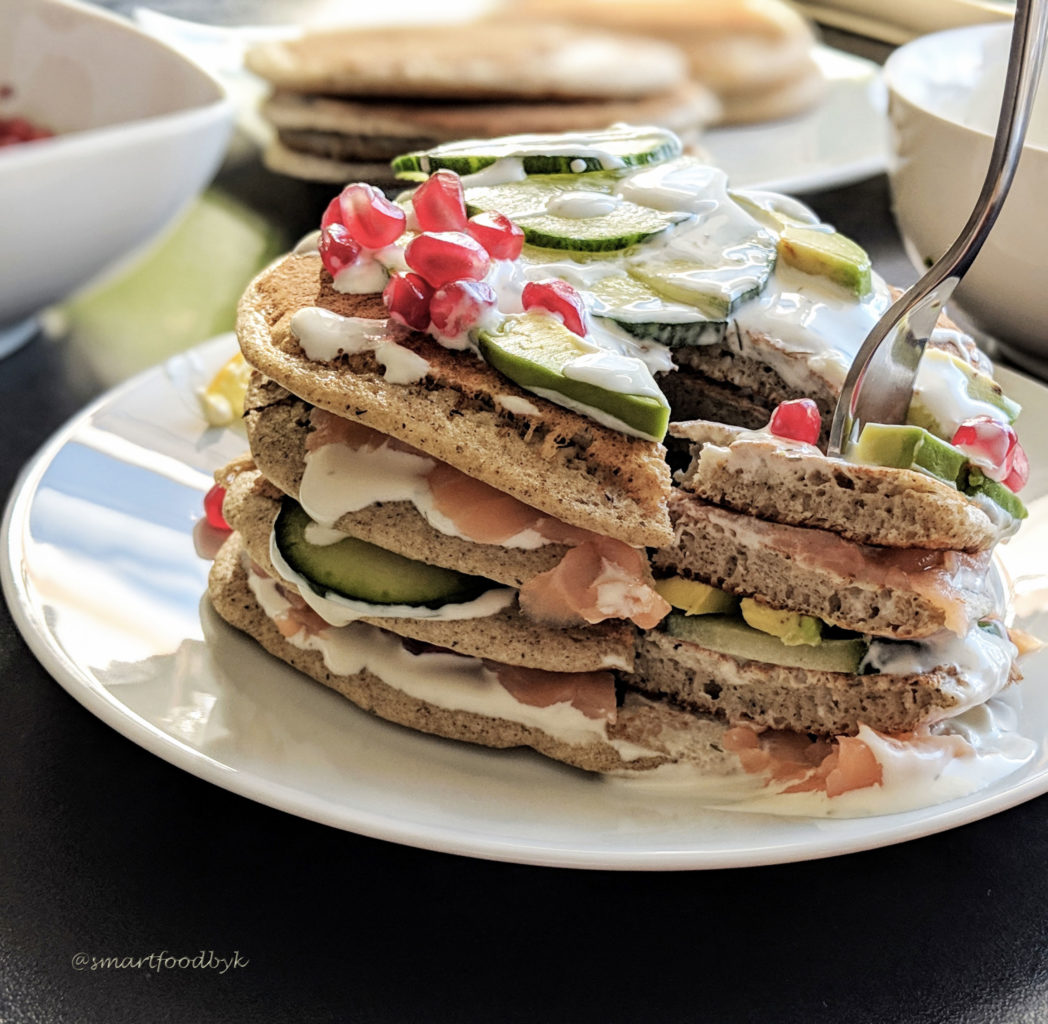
x: 110, y: 851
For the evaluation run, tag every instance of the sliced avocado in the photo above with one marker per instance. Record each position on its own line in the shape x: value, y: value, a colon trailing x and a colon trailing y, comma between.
x: 944, y: 375
x: 577, y: 212
x: 366, y: 572
x: 536, y: 351
x: 694, y: 597
x: 976, y: 482
x: 569, y: 153
x: 792, y: 628
x: 905, y: 446
x: 730, y: 635
x: 827, y: 254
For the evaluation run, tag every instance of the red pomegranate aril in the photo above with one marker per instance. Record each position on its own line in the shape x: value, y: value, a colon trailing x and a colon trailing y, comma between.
x: 1020, y: 471
x: 370, y: 217
x: 445, y: 256
x: 213, y: 507
x: 796, y: 420
x: 459, y: 305
x: 439, y: 203
x: 333, y: 213
x: 558, y: 297
x: 407, y: 297
x: 337, y: 248
x: 989, y: 444
x: 498, y: 234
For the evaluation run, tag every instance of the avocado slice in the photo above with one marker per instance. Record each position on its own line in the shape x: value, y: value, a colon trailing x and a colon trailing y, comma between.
x: 976, y: 482
x: 905, y: 446
x: 536, y: 351
x: 365, y: 572
x: 941, y: 377
x: 792, y: 628
x: 829, y: 254
x: 694, y: 597
x: 728, y: 634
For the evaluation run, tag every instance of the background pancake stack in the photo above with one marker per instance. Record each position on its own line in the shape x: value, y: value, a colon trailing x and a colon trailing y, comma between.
x: 346, y: 101
x: 756, y: 56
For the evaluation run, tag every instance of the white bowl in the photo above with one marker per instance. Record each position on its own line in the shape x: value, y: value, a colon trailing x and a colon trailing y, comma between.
x: 140, y: 131
x: 944, y: 97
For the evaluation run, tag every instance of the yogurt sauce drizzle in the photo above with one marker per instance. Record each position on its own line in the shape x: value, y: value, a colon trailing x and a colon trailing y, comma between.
x: 325, y: 336
x: 338, y: 479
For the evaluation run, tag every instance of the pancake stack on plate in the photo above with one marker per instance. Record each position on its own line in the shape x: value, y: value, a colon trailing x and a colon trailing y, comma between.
x: 459, y: 513
x: 346, y: 101
x: 755, y: 55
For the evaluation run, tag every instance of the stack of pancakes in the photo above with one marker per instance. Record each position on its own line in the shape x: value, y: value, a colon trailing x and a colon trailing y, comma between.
x: 756, y: 56
x: 345, y: 102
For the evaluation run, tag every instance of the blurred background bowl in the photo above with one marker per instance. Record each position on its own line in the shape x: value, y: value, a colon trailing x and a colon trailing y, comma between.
x: 139, y: 131
x: 944, y: 98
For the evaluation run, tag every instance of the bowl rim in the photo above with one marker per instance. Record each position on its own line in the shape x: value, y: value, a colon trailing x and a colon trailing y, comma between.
x: 142, y: 129
x: 910, y: 56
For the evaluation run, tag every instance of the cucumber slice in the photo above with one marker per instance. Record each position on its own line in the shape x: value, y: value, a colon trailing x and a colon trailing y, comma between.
x: 572, y: 211
x: 728, y: 634
x: 536, y: 351
x: 567, y: 153
x: 694, y: 267
x: 612, y: 294
x: 365, y: 572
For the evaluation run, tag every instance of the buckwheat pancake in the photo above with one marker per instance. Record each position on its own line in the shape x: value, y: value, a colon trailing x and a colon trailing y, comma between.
x: 476, y: 61
x: 461, y: 411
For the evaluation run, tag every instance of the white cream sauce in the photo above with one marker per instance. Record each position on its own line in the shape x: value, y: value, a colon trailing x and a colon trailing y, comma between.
x: 983, y: 660
x: 578, y: 205
x: 613, y: 372
x: 942, y: 389
x: 338, y: 479
x: 812, y: 318
x: 325, y: 335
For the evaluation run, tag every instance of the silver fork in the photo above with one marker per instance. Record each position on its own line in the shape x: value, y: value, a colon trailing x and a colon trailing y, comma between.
x: 879, y: 384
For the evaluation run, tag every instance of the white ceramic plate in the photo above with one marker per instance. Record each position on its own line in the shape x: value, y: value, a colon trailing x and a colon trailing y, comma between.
x: 844, y: 139
x: 100, y: 573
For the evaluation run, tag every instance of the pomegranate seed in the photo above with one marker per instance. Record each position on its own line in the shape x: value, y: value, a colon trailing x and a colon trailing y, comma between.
x: 498, y: 234
x: 459, y: 305
x: 798, y: 420
x: 407, y: 297
x: 371, y: 218
x: 213, y: 507
x: 1020, y: 472
x: 445, y: 256
x: 988, y: 443
x: 560, y: 298
x: 439, y: 203
x: 333, y: 213
x: 337, y: 248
